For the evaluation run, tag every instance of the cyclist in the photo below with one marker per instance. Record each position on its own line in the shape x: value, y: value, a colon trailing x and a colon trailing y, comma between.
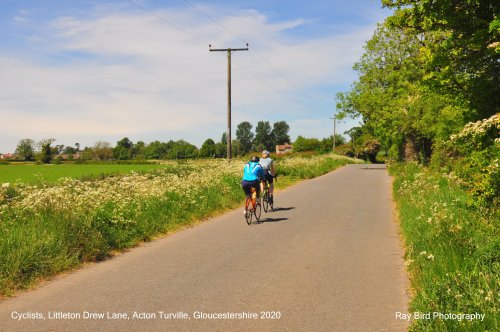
x: 268, y: 166
x: 252, y: 173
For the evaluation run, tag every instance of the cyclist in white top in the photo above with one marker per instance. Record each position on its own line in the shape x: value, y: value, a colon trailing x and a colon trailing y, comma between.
x: 268, y: 166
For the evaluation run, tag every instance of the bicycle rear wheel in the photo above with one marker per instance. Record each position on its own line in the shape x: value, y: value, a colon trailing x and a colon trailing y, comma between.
x: 265, y: 202
x: 257, y: 210
x: 248, y: 212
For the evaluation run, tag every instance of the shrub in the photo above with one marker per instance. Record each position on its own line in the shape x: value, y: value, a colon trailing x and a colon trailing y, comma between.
x: 473, y: 155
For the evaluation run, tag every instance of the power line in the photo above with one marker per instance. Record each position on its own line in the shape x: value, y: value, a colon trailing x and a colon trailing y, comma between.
x: 255, y: 51
x: 207, y: 43
x: 269, y: 85
x: 168, y: 22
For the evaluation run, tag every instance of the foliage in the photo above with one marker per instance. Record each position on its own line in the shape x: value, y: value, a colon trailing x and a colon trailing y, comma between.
x: 403, y: 114
x: 69, y: 150
x: 123, y: 149
x: 263, y: 139
x: 279, y: 134
x: 181, y: 150
x: 26, y: 149
x: 473, y: 155
x: 101, y: 151
x: 306, y: 144
x: 46, y: 153
x: 371, y: 148
x: 452, y: 250
x: 139, y: 150
x: 156, y: 150
x: 327, y: 142
x: 208, y: 149
x: 464, y: 61
x: 221, y: 150
x: 245, y: 136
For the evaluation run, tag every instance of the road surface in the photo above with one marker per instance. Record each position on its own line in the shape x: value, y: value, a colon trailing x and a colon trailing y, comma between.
x: 329, y: 259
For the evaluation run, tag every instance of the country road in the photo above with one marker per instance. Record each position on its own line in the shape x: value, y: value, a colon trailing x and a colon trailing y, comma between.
x: 329, y: 259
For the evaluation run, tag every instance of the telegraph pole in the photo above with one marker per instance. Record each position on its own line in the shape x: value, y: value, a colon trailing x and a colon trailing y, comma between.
x: 334, y: 130
x: 228, y: 133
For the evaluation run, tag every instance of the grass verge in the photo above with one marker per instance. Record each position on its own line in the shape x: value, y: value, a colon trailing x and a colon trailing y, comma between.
x: 452, y: 251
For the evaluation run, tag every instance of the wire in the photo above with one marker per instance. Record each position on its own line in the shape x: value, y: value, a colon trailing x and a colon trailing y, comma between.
x: 168, y: 22
x: 238, y: 65
x: 255, y: 51
x: 269, y: 85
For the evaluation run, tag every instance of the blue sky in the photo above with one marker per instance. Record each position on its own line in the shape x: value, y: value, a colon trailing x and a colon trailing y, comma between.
x: 87, y: 71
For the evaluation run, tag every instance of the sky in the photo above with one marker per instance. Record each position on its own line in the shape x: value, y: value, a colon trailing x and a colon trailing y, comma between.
x: 86, y: 71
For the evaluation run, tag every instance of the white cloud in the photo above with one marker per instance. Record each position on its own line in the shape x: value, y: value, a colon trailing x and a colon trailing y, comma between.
x: 131, y: 74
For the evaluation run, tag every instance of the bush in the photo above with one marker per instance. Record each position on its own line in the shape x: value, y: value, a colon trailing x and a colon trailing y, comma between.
x: 370, y: 149
x: 473, y: 155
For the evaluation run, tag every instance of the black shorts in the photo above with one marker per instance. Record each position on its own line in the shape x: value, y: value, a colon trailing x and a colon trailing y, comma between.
x: 269, y: 178
x: 248, y: 185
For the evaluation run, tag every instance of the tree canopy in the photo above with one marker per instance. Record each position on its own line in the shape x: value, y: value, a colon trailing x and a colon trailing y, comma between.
x: 245, y: 136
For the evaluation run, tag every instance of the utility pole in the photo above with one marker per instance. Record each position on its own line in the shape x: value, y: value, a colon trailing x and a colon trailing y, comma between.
x: 334, y: 130
x: 228, y: 133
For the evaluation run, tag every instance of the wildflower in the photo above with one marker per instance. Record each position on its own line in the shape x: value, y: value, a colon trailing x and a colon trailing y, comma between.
x: 5, y: 185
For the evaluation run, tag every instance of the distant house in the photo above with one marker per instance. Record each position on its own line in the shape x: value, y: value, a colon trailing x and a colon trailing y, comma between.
x: 5, y: 156
x: 285, y: 148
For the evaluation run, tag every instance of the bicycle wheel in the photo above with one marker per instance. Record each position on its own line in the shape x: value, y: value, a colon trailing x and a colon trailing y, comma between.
x: 265, y: 202
x: 248, y: 212
x: 257, y: 211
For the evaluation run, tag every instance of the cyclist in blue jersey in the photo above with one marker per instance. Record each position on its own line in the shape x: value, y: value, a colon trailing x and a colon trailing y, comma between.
x: 252, y: 174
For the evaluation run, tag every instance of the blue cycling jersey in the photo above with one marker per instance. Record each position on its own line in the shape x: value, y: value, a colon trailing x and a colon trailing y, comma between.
x: 252, y: 172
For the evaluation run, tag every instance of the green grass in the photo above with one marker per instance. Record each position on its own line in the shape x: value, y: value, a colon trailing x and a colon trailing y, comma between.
x: 452, y: 250
x: 27, y: 173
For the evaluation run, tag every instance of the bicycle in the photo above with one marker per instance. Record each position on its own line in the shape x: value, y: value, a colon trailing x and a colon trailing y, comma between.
x: 255, y: 209
x: 267, y: 199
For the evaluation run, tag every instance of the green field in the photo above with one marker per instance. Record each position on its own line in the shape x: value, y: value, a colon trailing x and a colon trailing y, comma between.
x: 51, y: 173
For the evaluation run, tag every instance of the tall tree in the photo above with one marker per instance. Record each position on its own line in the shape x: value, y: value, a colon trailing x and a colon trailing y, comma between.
x: 208, y: 148
x: 26, y: 149
x: 263, y: 139
x: 125, y: 142
x: 181, y: 149
x: 223, y: 139
x: 464, y: 61
x: 102, y: 151
x: 123, y: 148
x: 156, y: 150
x: 46, y: 153
x: 139, y: 150
x: 279, y: 133
x: 245, y: 136
x: 389, y: 95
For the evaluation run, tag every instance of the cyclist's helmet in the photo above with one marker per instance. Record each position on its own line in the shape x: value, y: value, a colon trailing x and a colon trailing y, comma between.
x: 255, y: 159
x: 265, y: 153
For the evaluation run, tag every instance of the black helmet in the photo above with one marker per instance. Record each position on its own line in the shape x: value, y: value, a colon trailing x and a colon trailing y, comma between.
x: 255, y: 159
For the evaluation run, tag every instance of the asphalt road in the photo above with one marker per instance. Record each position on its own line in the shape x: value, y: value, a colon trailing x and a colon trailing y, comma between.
x: 329, y: 259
